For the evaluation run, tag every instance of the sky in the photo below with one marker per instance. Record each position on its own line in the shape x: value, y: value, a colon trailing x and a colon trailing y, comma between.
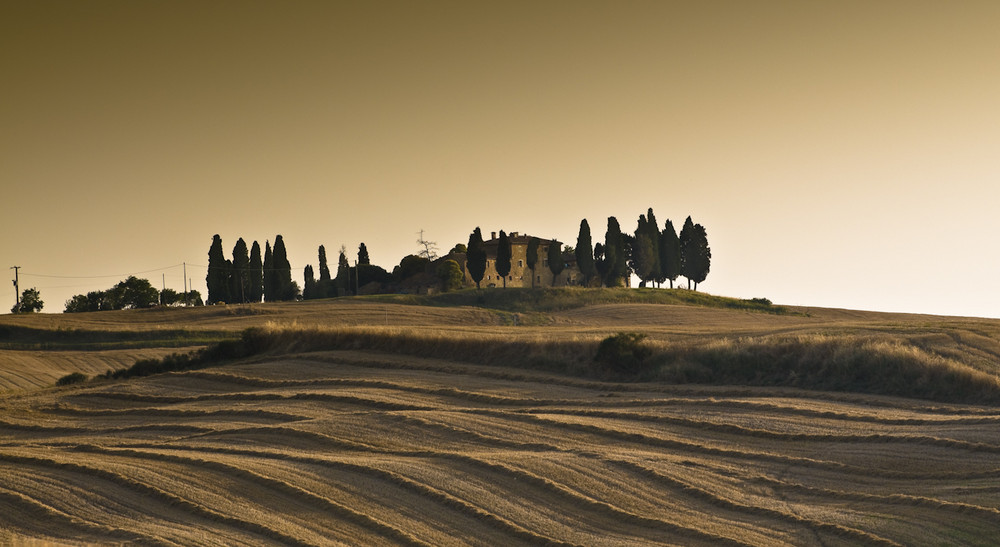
x: 839, y: 154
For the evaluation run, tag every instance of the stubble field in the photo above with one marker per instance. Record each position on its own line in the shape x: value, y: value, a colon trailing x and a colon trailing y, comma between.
x: 364, y: 446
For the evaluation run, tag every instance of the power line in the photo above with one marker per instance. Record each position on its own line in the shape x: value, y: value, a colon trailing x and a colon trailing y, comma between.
x: 101, y: 276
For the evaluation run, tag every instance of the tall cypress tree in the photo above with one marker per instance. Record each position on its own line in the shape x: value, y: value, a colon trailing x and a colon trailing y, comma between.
x: 531, y: 257
x: 670, y: 254
x: 323, y: 287
x: 363, y: 259
x: 239, y: 281
x: 585, y: 253
x: 309, y: 285
x: 285, y: 290
x: 475, y: 257
x: 688, y: 251
x: 255, y: 277
x: 343, y: 273
x: 270, y: 276
x: 504, y: 255
x: 653, y: 233
x: 702, y: 257
x: 556, y: 263
x: 614, y: 254
x: 217, y: 279
x: 644, y: 255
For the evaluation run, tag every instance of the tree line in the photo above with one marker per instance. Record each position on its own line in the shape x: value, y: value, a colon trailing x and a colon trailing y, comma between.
x: 132, y: 293
x: 251, y: 276
x: 654, y: 255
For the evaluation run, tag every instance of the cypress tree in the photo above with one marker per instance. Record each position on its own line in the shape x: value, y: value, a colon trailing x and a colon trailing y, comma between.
x: 531, y: 257
x: 217, y: 279
x: 255, y: 276
x: 687, y: 246
x: 475, y: 257
x: 653, y: 233
x: 239, y: 281
x: 309, y: 285
x: 363, y: 259
x: 556, y: 263
x: 702, y: 255
x: 670, y: 254
x: 614, y: 254
x: 585, y: 253
x: 285, y: 290
x: 504, y: 255
x: 270, y: 277
x: 343, y: 272
x: 323, y: 287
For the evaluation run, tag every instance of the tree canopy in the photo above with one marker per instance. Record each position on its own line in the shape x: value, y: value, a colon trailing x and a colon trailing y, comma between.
x: 555, y: 257
x: 585, y: 253
x: 475, y: 257
x: 504, y: 254
x: 30, y: 302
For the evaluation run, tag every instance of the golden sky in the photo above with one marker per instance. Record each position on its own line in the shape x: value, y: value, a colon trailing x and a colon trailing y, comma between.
x: 840, y: 154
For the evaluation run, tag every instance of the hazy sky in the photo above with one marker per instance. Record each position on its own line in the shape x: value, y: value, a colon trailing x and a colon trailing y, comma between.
x: 839, y: 154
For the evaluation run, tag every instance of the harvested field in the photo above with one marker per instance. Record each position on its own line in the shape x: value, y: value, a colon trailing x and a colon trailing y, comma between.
x: 383, y: 444
x: 366, y: 448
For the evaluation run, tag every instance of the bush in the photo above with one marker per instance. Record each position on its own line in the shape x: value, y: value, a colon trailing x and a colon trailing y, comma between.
x: 624, y: 353
x: 73, y: 378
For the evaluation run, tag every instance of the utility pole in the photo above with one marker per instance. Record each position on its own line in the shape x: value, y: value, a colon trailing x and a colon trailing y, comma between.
x: 17, y: 288
x: 185, y: 283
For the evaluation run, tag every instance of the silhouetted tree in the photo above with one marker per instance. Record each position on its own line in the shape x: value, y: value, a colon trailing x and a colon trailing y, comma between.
x: 504, y: 255
x: 670, y: 254
x: 556, y: 263
x: 343, y: 273
x: 255, y: 275
x: 363, y: 259
x: 218, y: 273
x: 270, y: 274
x: 614, y: 255
x: 309, y: 285
x: 475, y: 257
x: 459, y: 248
x: 652, y: 232
x: 324, y: 286
x: 133, y: 293
x: 283, y: 271
x: 531, y: 257
x: 239, y: 282
x: 701, y: 260
x: 585, y: 253
x: 688, y: 251
x: 31, y: 301
x: 92, y: 301
x: 429, y: 250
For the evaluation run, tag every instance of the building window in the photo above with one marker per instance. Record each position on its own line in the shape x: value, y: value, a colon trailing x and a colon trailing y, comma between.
x: 539, y: 279
x: 520, y: 263
x: 545, y: 263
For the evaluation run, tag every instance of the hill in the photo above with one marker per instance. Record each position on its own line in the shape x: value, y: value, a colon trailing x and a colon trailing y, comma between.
x: 372, y: 421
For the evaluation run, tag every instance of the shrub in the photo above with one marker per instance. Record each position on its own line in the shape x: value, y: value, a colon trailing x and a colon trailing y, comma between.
x: 624, y: 353
x: 72, y: 378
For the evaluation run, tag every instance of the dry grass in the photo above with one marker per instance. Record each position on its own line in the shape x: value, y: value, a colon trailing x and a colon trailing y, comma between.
x: 369, y: 422
x: 361, y: 447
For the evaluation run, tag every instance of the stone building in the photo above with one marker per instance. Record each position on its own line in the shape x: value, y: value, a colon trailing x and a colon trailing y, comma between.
x: 520, y: 275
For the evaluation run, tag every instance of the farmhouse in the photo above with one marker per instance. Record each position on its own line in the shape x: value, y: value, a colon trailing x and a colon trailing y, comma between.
x: 520, y: 275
